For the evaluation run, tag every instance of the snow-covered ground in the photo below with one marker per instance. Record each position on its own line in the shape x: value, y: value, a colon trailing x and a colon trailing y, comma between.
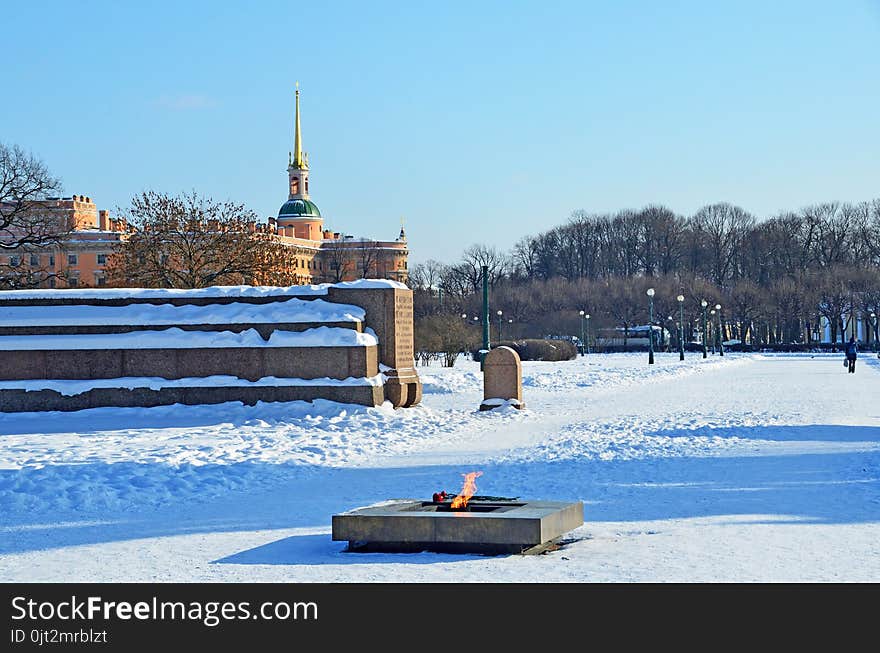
x: 741, y: 468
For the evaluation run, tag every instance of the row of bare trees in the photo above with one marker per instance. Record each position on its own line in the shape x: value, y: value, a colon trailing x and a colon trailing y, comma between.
x: 793, y: 309
x: 776, y: 278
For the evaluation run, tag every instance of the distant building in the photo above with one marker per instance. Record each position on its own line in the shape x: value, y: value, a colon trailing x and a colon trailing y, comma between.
x: 317, y: 255
x: 321, y: 255
x: 81, y: 260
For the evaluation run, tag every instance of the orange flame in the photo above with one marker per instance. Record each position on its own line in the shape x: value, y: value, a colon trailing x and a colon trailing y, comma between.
x: 467, y: 490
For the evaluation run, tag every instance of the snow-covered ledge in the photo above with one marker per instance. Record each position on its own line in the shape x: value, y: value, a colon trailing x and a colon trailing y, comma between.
x: 212, y: 292
x: 340, y: 331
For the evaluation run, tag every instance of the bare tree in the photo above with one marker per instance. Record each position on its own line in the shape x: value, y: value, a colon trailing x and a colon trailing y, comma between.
x: 835, y: 297
x: 427, y: 275
x: 446, y: 335
x: 871, y: 234
x: 473, y: 260
x: 721, y: 228
x: 367, y: 256
x: 659, y: 240
x: 28, y: 222
x: 625, y: 301
x: 524, y: 258
x: 835, y: 229
x: 193, y: 242
x: 338, y: 260
x: 745, y: 305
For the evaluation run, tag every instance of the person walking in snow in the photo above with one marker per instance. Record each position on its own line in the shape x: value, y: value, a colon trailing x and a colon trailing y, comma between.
x: 852, y: 350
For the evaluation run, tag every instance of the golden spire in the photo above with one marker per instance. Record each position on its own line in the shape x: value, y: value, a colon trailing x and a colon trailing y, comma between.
x: 298, y: 160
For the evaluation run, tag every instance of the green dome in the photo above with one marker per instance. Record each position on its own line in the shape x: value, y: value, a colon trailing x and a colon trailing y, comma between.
x: 299, y: 209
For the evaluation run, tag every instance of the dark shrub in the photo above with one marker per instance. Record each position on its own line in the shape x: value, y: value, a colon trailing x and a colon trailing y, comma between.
x: 534, y: 349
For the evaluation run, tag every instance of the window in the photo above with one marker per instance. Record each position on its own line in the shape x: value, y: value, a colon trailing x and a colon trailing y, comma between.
x: 14, y: 261
x: 52, y: 282
x: 73, y: 282
x: 102, y: 259
x: 35, y: 260
x: 102, y: 281
x: 294, y: 186
x: 52, y: 262
x: 71, y: 259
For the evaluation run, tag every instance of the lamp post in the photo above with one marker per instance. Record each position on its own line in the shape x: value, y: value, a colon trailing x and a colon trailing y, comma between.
x: 499, y: 326
x: 587, y: 341
x: 704, y: 304
x: 650, y: 294
x: 712, y: 326
x: 485, y: 320
x: 720, y: 331
x: 680, y: 299
x: 874, y: 320
x: 583, y: 342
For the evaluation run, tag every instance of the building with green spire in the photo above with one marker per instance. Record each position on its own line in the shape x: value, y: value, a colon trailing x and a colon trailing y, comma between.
x: 322, y: 255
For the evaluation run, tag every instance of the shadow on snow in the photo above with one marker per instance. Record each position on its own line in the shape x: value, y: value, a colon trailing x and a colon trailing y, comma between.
x: 821, y: 487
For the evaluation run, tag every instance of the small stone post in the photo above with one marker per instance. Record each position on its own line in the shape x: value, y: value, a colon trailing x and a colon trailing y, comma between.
x: 502, y: 379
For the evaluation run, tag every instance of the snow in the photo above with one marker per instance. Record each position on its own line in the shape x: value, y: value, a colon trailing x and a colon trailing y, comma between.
x: 74, y: 387
x: 497, y: 402
x: 291, y: 310
x: 163, y: 293
x: 174, y: 338
x: 371, y: 283
x: 176, y: 293
x: 746, y: 468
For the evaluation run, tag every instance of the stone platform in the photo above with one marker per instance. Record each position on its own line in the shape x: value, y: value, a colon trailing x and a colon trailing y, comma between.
x: 487, y: 527
x: 71, y: 349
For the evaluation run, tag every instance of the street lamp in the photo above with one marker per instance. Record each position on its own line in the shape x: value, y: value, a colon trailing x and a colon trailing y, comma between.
x: 650, y: 294
x: 874, y: 320
x: 720, y: 331
x: 582, y: 331
x: 712, y: 326
x: 680, y: 299
x: 704, y: 304
x: 499, y: 325
x: 587, y: 341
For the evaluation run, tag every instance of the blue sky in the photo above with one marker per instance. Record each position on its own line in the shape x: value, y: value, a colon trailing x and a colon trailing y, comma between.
x: 477, y: 121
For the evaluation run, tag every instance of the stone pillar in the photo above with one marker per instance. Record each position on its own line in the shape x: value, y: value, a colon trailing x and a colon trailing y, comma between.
x: 389, y: 313
x: 502, y: 379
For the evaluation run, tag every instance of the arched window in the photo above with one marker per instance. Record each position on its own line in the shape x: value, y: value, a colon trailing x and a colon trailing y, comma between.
x: 294, y: 185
